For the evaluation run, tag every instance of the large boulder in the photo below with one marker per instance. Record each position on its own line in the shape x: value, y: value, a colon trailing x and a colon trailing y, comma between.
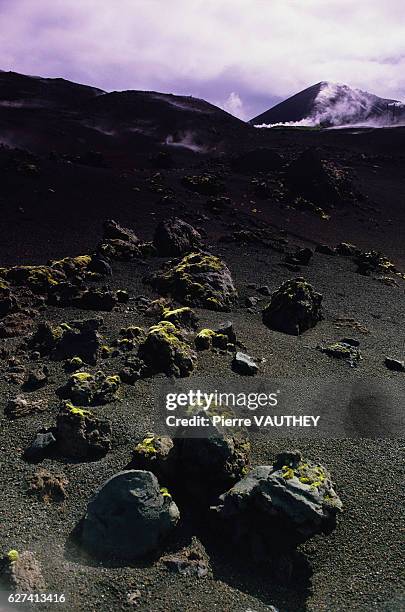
x: 129, y: 517
x: 212, y: 458
x: 198, y: 279
x: 257, y: 160
x: 294, y: 308
x: 165, y: 350
x: 279, y: 506
x: 174, y: 237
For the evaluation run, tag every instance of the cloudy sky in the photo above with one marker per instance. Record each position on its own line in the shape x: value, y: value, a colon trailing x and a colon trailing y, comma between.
x: 243, y: 55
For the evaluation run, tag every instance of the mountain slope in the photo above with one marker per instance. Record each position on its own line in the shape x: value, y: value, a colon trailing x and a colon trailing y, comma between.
x: 333, y: 104
x: 45, y: 115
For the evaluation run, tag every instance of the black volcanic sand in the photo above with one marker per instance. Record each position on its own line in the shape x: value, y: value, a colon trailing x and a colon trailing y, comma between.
x: 358, y: 566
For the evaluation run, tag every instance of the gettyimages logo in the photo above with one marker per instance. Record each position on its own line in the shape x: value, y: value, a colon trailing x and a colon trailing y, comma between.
x: 304, y: 407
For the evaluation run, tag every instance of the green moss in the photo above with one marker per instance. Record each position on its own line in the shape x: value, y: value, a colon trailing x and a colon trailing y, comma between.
x: 287, y: 472
x: 13, y: 555
x: 169, y: 332
x: 35, y: 277
x: 79, y: 412
x: 105, y: 351
x: 82, y: 376
x: 146, y: 447
x: 113, y: 380
x: 81, y: 262
x: 165, y: 492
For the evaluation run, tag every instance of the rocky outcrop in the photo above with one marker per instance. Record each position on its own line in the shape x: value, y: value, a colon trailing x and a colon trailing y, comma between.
x: 279, y: 506
x: 66, y: 340
x: 129, y: 517
x: 85, y: 389
x: 198, y: 279
x: 165, y: 350
x: 82, y: 435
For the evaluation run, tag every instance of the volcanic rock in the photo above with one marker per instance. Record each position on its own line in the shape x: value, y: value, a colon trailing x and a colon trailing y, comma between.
x: 280, y: 506
x: 77, y: 338
x: 82, y: 435
x: 165, y: 350
x: 42, y: 444
x: 198, y: 279
x: 87, y: 389
x: 21, y: 406
x: 294, y: 308
x: 156, y: 454
x: 22, y: 573
x: 129, y: 517
x: 174, y: 237
x: 244, y: 364
x: 395, y: 364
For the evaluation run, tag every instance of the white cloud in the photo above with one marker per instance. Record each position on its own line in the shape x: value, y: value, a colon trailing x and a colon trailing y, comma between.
x: 265, y: 48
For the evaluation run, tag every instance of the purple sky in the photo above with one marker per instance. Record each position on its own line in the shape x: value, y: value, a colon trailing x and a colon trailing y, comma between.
x: 243, y: 55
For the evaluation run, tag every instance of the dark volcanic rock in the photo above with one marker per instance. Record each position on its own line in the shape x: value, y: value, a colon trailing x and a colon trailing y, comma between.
x: 114, y: 231
x: 77, y: 338
x: 226, y: 328
x: 294, y: 308
x: 98, y: 299
x: 277, y: 507
x: 257, y: 160
x: 395, y: 364
x: 156, y: 454
x: 129, y: 517
x: 22, y: 573
x: 325, y: 249
x: 213, y: 459
x: 373, y: 262
x: 346, y: 249
x: 244, y: 364
x: 87, y: 389
x: 301, y: 257
x: 100, y: 265
x: 344, y: 349
x: 181, y: 317
x: 118, y: 242
x: 82, y: 435
x: 198, y: 279
x: 37, y: 377
x: 165, y: 350
x: 175, y: 237
x: 190, y: 561
x: 42, y: 444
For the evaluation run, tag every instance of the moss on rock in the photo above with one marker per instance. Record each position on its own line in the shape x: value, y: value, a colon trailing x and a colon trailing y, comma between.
x: 198, y: 279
